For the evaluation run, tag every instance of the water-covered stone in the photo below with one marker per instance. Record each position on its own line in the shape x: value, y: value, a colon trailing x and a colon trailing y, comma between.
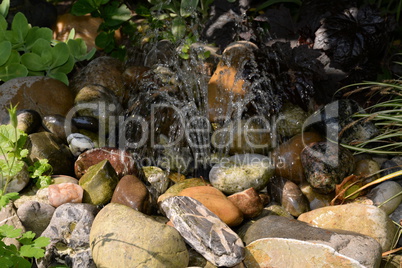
x: 364, y: 249
x: 104, y: 71
x: 157, y: 179
x: 204, y: 231
x: 336, y: 119
x: 98, y: 183
x: 240, y: 172
x: 387, y: 195
x: 123, y: 237
x: 56, y: 124
x: 316, y: 200
x: 69, y: 237
x: 63, y: 193
x: 132, y: 192
x: 216, y: 202
x: 364, y: 219
x: 86, y: 122
x: 79, y: 143
x: 287, y: 156
x: 289, y: 195
x: 45, y: 145
x: 122, y: 162
x: 35, y: 216
x: 40, y: 93
x: 326, y: 164
x: 179, y: 186
x: 248, y: 201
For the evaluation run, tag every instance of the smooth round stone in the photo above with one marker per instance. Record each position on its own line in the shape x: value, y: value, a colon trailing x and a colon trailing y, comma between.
x: 32, y: 92
x: 325, y: 165
x: 289, y: 195
x: 86, y: 122
x: 99, y: 183
x: 249, y: 202
x: 57, y: 179
x: 290, y: 120
x: 63, y: 193
x: 392, y: 165
x: 56, y: 124
x: 35, y: 216
x: 19, y: 181
x: 240, y: 172
x: 287, y: 156
x: 367, y: 167
x: 316, y: 200
x: 215, y: 201
x: 28, y: 120
x: 179, y: 186
x: 132, y: 192
x: 385, y: 191
x: 45, y: 145
x: 122, y: 161
x: 363, y: 219
x: 79, y: 143
x: 123, y: 237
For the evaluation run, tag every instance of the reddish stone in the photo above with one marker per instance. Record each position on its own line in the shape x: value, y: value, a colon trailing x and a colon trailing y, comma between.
x: 248, y: 201
x: 122, y: 162
x: 63, y: 193
x: 131, y: 192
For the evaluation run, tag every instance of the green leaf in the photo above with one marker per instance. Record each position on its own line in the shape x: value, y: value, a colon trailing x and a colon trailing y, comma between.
x: 33, y: 62
x: 12, y: 70
x: 59, y: 76
x: 66, y: 67
x: 103, y: 40
x: 178, y: 28
x: 35, y: 34
x: 40, y: 45
x: 10, y: 231
x: 188, y: 7
x: 5, y: 51
x: 60, y: 54
x: 6, y: 198
x: 20, y: 26
x: 83, y: 7
x: 4, y: 6
x: 115, y: 14
x: 42, y: 241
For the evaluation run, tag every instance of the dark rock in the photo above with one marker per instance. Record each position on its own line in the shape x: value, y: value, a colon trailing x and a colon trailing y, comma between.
x: 69, y: 237
x: 56, y: 124
x: 86, y: 122
x: 325, y: 165
x: 204, y: 231
x: 28, y: 120
x: 122, y: 161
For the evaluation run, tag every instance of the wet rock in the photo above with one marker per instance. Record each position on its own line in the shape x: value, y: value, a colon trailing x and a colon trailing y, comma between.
x: 122, y: 161
x: 157, y: 179
x: 392, y: 165
x: 248, y: 201
x: 364, y: 219
x: 98, y: 183
x: 86, y: 122
x: 383, y: 196
x: 45, y: 145
x: 35, y: 93
x: 8, y: 215
x: 56, y: 124
x: 28, y: 120
x: 204, y: 231
x: 123, y: 237
x: 316, y: 200
x: 367, y: 167
x: 290, y: 120
x: 79, y: 143
x: 132, y: 192
x: 336, y: 119
x: 179, y: 186
x: 289, y: 195
x: 35, y: 216
x: 240, y: 172
x: 364, y: 249
x: 287, y: 156
x: 325, y: 165
x: 161, y: 53
x: 133, y: 76
x: 19, y: 181
x: 227, y: 86
x: 104, y: 71
x: 63, y: 193
x: 216, y: 202
x: 69, y: 237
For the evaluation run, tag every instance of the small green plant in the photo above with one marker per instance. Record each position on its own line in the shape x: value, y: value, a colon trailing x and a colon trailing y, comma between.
x: 12, y: 143
x: 115, y: 15
x: 39, y: 172
x: 29, y: 51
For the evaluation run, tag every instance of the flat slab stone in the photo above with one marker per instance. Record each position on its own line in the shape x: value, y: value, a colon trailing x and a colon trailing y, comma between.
x: 204, y: 231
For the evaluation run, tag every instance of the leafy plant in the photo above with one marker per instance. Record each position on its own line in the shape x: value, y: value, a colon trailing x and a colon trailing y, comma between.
x: 38, y: 173
x: 29, y: 51
x: 115, y: 15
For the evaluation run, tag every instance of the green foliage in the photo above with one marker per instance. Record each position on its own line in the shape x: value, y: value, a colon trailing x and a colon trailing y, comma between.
x: 37, y: 172
x: 115, y: 15
x: 11, y: 256
x: 28, y: 51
